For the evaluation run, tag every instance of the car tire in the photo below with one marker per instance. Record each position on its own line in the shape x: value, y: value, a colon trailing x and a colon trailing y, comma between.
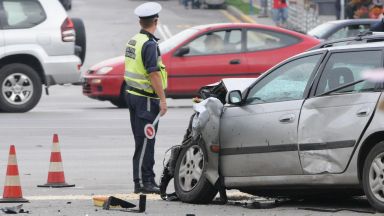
x: 118, y: 103
x: 81, y: 39
x: 20, y: 88
x: 121, y: 101
x: 191, y: 184
x: 373, y: 177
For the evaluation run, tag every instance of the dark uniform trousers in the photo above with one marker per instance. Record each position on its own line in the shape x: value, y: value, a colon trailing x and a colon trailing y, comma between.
x: 143, y: 110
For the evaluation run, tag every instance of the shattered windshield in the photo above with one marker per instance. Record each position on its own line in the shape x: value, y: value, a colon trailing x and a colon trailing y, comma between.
x: 287, y: 82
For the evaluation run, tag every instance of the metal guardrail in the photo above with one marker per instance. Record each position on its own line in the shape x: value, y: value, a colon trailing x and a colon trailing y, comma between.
x: 302, y: 18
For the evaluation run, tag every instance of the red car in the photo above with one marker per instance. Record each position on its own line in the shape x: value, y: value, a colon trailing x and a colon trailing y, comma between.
x: 204, y: 54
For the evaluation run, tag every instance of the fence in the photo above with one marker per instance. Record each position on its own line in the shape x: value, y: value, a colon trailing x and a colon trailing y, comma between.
x: 303, y: 17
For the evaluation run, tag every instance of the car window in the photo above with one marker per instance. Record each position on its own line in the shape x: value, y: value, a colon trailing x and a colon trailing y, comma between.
x: 22, y: 13
x: 321, y: 30
x: 285, y: 83
x: 176, y: 39
x: 258, y: 39
x: 219, y: 42
x: 349, y: 31
x: 344, y: 68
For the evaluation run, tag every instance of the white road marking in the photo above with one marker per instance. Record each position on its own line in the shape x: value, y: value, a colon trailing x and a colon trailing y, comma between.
x: 167, y: 31
x: 161, y: 31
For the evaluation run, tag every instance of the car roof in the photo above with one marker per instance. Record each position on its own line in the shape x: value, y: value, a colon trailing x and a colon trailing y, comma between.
x: 208, y: 27
x: 353, y: 21
x: 350, y: 46
x: 356, y: 46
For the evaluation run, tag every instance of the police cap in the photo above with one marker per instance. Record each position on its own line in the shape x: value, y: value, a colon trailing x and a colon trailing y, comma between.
x: 148, y: 10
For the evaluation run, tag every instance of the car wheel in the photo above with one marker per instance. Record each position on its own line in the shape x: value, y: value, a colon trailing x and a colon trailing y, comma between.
x: 118, y: 103
x: 121, y: 101
x: 191, y: 184
x: 81, y: 39
x: 373, y: 177
x: 20, y: 88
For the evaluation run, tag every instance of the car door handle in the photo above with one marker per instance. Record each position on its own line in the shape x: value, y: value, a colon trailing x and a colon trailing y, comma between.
x: 288, y: 118
x: 234, y: 61
x: 363, y: 112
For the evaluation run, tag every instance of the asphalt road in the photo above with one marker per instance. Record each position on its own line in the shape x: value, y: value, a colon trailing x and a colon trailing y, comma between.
x: 95, y: 137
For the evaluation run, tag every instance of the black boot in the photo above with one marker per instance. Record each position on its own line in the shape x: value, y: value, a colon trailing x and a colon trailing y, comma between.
x: 153, y: 181
x: 149, y: 187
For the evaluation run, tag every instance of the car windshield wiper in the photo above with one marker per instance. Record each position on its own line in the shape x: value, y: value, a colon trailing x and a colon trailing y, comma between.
x: 341, y: 87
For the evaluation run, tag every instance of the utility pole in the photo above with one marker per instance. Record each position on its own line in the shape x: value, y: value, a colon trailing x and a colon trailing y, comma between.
x: 250, y: 7
x: 342, y: 9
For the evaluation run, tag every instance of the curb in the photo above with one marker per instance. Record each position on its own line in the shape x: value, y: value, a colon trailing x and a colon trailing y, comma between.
x: 240, y: 15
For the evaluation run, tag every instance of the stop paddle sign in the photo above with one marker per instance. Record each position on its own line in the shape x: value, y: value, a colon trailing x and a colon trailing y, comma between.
x: 149, y: 129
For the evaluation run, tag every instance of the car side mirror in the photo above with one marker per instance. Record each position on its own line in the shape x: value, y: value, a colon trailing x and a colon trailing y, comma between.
x: 182, y: 51
x: 234, y: 97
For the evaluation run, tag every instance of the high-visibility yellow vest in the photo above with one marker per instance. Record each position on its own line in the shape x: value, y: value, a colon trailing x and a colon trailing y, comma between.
x: 136, y: 76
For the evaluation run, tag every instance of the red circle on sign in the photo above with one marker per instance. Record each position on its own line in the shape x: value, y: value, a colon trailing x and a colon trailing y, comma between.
x: 149, y: 131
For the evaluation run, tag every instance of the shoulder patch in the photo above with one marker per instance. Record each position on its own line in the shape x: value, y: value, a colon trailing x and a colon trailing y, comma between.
x: 130, y: 52
x: 132, y: 42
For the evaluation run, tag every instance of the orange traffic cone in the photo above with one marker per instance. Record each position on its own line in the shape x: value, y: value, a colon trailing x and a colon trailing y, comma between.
x: 12, y: 189
x: 56, y: 177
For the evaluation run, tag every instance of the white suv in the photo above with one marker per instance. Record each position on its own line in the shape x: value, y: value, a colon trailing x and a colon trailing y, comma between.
x: 37, y: 47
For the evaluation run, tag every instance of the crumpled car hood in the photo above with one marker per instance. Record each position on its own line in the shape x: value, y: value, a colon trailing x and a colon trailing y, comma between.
x: 231, y: 84
x: 220, y: 89
x: 206, y: 123
x: 238, y: 83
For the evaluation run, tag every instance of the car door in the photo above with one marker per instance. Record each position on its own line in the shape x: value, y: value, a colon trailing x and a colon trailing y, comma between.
x: 2, y: 44
x: 211, y: 57
x: 331, y: 124
x: 260, y: 137
x: 266, y: 48
x: 2, y: 18
x: 21, y: 17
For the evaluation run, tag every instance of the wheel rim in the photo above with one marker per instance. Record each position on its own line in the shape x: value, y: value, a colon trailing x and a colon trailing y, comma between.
x: 191, y: 168
x: 376, y: 177
x: 17, y: 88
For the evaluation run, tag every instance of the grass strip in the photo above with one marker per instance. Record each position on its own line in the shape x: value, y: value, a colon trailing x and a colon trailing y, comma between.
x: 243, y: 5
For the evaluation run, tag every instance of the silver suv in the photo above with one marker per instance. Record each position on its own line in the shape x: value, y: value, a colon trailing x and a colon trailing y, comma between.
x: 312, y: 124
x: 37, y: 47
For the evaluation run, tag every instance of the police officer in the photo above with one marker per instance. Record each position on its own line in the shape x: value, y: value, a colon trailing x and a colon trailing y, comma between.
x: 146, y: 79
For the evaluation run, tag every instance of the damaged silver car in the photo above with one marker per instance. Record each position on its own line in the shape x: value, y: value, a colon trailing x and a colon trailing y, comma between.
x: 309, y: 125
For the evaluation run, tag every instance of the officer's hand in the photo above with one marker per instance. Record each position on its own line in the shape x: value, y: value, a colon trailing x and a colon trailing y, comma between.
x: 163, y: 107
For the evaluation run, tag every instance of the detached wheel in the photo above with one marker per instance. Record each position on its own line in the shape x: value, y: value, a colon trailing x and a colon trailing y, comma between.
x: 191, y: 185
x: 81, y: 39
x: 373, y: 177
x: 20, y: 88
